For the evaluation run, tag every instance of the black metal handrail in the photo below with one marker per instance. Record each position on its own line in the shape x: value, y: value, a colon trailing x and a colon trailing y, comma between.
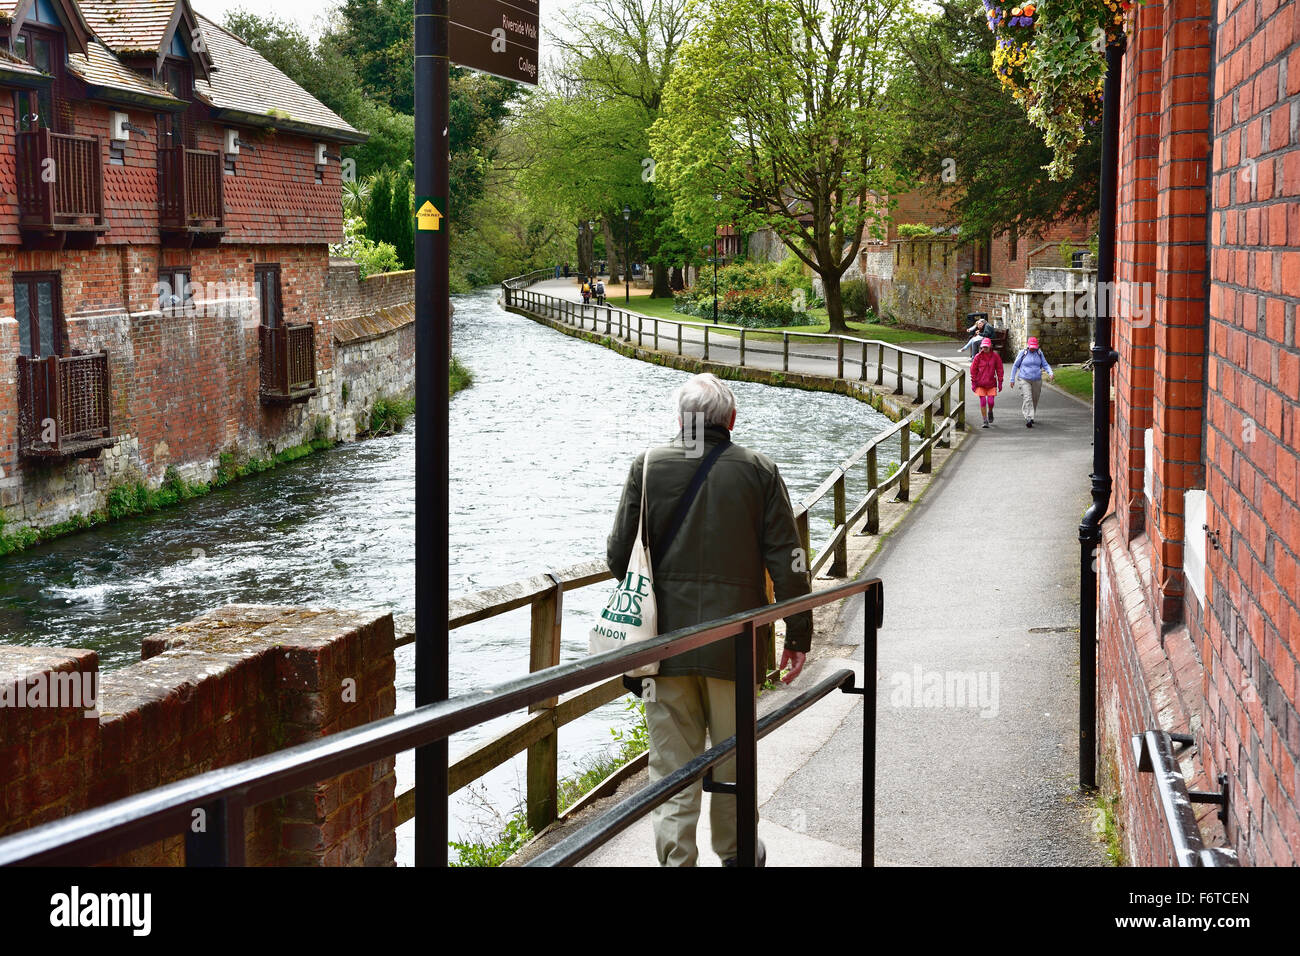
x: 1154, y: 754
x: 225, y: 794
x: 576, y: 846
x: 527, y: 279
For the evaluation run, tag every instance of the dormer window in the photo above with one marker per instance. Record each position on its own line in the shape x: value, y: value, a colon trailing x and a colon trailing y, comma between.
x: 46, y: 108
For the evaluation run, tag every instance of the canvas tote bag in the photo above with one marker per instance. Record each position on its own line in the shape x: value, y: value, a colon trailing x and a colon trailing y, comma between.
x: 631, y: 613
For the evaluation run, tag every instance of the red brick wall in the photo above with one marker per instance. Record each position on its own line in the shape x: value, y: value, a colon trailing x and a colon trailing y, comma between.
x: 1252, y: 641
x: 234, y: 684
x: 1225, y: 421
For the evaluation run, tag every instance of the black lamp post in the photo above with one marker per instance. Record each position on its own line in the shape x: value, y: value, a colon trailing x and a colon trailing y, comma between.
x: 591, y: 231
x: 627, y: 264
x: 717, y: 198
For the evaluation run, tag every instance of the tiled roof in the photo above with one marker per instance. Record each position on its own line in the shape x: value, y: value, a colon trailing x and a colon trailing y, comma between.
x: 372, y: 326
x: 129, y: 25
x: 246, y: 82
x: 12, y: 64
x: 100, y: 68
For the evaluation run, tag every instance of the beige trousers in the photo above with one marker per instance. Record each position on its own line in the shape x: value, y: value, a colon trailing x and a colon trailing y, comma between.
x: 685, y: 708
x: 1029, y: 392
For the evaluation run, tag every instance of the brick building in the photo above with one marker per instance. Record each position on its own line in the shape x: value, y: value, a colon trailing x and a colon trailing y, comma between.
x: 167, y: 198
x: 1199, y: 616
x: 924, y: 280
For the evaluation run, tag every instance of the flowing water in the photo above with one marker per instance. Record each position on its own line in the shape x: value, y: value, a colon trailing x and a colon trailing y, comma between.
x: 540, y: 448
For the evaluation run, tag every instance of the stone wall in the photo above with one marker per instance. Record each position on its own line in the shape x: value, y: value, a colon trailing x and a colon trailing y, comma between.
x: 234, y: 684
x: 922, y: 284
x: 1063, y: 338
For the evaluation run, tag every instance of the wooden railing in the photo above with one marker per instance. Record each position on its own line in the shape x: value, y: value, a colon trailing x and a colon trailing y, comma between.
x: 63, y: 405
x: 60, y: 181
x: 544, y: 594
x: 190, y: 189
x: 885, y: 359
x: 288, y: 363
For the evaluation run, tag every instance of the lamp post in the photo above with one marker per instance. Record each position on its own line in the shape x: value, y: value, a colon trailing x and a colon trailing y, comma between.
x: 717, y: 198
x: 627, y: 263
x: 591, y: 234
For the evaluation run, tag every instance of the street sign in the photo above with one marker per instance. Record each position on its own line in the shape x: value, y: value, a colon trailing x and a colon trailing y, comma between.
x: 497, y: 37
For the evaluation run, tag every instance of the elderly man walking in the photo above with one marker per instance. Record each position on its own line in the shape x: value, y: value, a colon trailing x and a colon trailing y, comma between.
x: 739, y: 525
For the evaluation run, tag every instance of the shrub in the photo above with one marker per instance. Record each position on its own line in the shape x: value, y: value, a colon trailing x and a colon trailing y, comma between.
x: 914, y: 230
x: 754, y: 295
x: 372, y: 257
x: 856, y: 295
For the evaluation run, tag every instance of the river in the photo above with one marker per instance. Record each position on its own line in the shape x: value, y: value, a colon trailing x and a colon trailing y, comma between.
x: 540, y: 447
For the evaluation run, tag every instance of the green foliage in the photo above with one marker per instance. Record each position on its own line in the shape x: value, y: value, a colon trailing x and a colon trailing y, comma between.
x: 966, y: 142
x: 778, y: 106
x: 755, y: 295
x: 856, y: 294
x: 915, y: 230
x: 1106, y: 826
x: 373, y: 257
x: 892, y: 470
x: 389, y: 414
x: 481, y: 853
x: 1055, y: 67
x: 460, y: 378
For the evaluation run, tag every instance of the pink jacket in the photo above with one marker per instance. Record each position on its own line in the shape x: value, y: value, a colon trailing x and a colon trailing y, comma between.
x: 986, y: 370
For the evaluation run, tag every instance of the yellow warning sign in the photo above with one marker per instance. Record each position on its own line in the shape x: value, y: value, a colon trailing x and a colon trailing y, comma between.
x: 428, y: 218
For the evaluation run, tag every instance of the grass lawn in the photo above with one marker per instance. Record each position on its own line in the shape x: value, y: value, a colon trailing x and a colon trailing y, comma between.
x: 663, y: 309
x: 1075, y: 380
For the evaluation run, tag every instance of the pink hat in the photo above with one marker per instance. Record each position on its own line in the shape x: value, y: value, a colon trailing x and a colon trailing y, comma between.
x: 986, y: 344
x: 1033, y: 342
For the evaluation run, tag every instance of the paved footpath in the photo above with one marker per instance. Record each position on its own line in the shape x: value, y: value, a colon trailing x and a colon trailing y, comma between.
x: 977, y: 753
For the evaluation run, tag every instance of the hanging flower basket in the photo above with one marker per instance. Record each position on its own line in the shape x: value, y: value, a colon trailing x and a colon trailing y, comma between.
x: 1052, y: 58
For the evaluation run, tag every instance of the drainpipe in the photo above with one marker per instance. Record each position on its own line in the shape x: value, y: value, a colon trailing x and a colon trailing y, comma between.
x: 1103, y: 357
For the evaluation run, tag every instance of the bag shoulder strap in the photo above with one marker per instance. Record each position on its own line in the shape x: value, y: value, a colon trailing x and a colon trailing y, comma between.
x: 687, y: 499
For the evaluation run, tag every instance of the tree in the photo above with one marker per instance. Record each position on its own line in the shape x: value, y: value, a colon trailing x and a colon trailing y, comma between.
x: 779, y: 106
x: 588, y: 127
x: 964, y: 139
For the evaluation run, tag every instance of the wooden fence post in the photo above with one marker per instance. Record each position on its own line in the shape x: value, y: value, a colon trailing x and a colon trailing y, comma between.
x: 946, y: 407
x: 656, y: 334
x: 873, y: 482
x: 543, y: 756
x: 862, y: 375
x: 840, y: 563
x: 898, y: 390
x: 929, y: 439
x: 961, y: 407
x: 801, y: 523
x: 905, y: 480
x: 880, y: 364
x: 839, y: 357
x: 785, y: 351
x: 706, y: 343
x: 679, y: 338
x: 920, y: 379
x: 742, y: 348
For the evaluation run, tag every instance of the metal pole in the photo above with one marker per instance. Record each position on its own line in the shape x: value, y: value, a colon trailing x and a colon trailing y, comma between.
x: 872, y: 609
x: 1103, y: 357
x: 715, y: 274
x: 746, y: 750
x: 432, y: 334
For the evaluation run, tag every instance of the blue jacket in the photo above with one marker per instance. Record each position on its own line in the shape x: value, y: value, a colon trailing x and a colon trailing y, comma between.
x: 1030, y: 365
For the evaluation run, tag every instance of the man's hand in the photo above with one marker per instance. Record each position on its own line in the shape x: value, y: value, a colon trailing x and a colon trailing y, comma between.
x: 793, y: 662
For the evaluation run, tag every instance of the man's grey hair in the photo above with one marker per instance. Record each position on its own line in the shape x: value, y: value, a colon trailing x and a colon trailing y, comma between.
x: 706, y: 395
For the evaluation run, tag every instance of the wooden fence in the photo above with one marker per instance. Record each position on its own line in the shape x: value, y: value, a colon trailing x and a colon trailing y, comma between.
x: 934, y: 418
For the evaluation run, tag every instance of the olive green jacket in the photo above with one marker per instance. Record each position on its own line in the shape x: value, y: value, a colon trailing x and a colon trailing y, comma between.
x: 740, y: 525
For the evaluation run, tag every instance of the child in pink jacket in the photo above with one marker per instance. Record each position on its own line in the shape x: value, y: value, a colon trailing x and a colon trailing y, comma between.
x: 986, y: 378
